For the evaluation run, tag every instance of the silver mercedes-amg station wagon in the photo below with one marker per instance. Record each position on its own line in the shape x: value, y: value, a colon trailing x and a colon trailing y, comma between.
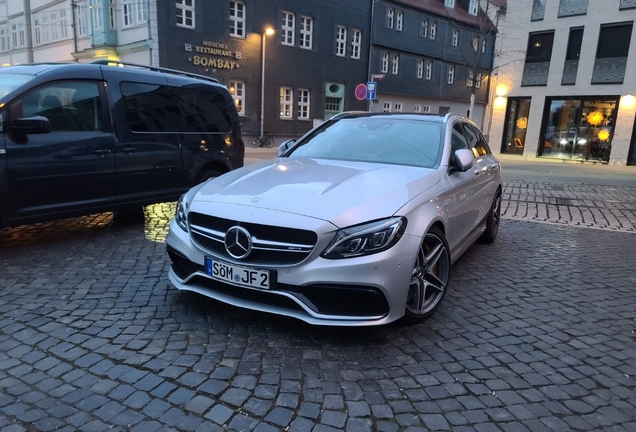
x: 356, y: 223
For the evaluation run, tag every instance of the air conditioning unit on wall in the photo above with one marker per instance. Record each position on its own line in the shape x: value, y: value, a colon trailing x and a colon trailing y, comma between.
x: 334, y: 90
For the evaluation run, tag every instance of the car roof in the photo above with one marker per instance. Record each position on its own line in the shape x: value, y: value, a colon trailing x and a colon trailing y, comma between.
x: 435, y: 118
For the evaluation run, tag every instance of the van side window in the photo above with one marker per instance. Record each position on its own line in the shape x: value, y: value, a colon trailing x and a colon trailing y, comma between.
x: 202, y: 109
x: 148, y: 107
x: 69, y: 106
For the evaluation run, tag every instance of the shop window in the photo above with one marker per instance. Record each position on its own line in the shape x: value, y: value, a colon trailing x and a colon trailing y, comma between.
x: 516, y: 125
x: 237, y: 90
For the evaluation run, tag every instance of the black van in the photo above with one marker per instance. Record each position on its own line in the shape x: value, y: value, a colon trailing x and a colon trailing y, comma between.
x: 85, y: 138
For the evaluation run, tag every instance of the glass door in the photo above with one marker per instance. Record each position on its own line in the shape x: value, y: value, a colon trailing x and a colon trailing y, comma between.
x: 516, y: 125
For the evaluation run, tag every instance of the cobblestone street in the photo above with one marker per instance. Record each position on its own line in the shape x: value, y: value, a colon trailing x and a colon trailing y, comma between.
x: 537, y: 333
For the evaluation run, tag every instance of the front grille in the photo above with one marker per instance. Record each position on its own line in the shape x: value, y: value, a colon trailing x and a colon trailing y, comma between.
x: 271, y: 245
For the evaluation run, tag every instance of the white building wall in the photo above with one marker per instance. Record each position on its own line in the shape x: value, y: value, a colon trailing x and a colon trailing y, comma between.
x: 514, y: 31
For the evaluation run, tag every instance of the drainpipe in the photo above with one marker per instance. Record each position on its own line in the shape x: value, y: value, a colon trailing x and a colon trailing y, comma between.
x: 27, y: 29
x: 73, y: 6
x: 369, y: 79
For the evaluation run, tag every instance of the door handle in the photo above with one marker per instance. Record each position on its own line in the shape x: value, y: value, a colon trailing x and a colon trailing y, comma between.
x: 477, y: 171
x: 101, y: 152
x: 493, y: 166
x: 129, y: 149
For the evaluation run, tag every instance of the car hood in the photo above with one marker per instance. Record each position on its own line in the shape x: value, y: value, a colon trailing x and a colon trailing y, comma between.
x: 340, y: 192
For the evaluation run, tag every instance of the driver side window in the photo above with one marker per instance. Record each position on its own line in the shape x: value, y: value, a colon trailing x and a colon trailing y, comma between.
x: 458, y: 141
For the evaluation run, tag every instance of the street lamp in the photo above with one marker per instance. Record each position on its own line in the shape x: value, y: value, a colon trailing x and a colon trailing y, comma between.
x: 268, y: 32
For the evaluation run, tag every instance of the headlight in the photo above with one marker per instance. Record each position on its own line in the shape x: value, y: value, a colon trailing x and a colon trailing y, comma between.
x: 366, y: 239
x: 181, y: 214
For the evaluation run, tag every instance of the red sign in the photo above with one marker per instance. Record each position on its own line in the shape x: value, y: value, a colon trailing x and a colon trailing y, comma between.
x: 361, y: 92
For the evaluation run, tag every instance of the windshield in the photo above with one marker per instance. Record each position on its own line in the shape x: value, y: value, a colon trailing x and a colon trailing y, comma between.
x: 391, y: 140
x: 10, y: 82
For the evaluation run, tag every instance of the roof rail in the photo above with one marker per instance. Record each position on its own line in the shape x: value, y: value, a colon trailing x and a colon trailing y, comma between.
x: 156, y: 69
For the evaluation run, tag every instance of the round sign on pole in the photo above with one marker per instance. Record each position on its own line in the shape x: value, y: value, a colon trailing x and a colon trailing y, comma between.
x: 361, y: 92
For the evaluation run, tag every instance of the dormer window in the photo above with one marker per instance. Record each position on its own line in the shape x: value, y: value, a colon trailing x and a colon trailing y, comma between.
x: 473, y: 8
x: 449, y: 3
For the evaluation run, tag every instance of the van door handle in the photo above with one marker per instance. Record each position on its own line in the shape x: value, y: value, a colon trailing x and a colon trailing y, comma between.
x: 477, y: 171
x: 101, y: 152
x: 129, y: 149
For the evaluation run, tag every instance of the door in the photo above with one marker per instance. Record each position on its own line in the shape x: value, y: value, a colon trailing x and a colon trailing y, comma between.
x: 70, y: 168
x: 147, y: 154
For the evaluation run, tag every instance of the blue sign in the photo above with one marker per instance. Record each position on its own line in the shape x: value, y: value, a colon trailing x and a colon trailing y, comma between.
x: 371, y: 90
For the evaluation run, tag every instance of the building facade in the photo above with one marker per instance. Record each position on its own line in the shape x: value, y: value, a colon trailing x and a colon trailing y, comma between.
x: 36, y: 31
x: 432, y: 56
x: 565, y: 82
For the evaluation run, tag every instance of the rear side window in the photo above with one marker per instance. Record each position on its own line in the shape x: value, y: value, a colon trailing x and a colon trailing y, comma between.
x: 476, y: 142
x: 149, y: 107
x: 69, y: 106
x: 202, y: 109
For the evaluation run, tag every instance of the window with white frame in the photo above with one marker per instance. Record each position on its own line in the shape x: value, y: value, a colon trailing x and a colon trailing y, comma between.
x: 285, y: 102
x: 395, y: 64
x: 341, y: 41
x: 287, y: 28
x: 112, y: 15
x: 134, y: 12
x: 127, y: 13
x: 455, y: 37
x: 237, y: 90
x: 4, y: 38
x: 303, y: 104
x: 237, y: 19
x: 417, y: 108
x: 475, y: 43
x: 141, y: 7
x: 81, y: 18
x: 389, y: 17
x: 450, y: 76
x: 398, y: 107
x: 356, y: 39
x: 398, y: 20
x: 483, y: 45
x: 306, y: 32
x: 46, y: 37
x: 449, y: 3
x: 386, y: 107
x: 424, y: 27
x: 420, y: 68
x: 96, y: 14
x: 385, y: 62
x: 469, y: 81
x: 185, y: 13
x: 37, y: 31
x: 473, y: 8
x: 55, y: 32
x: 429, y: 69
x: 426, y: 109
x: 433, y: 31
x: 18, y: 37
x: 63, y: 25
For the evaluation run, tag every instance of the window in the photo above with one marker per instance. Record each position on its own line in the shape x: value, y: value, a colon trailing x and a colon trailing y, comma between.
x: 81, y: 19
x: 395, y: 64
x: 398, y: 21
x: 433, y: 32
x: 18, y: 39
x: 539, y: 47
x: 450, y: 76
x: 128, y: 13
x: 185, y: 13
x: 141, y: 6
x: 303, y: 104
x: 96, y: 12
x: 4, y: 39
x: 389, y: 17
x: 417, y: 108
x: 285, y: 102
x: 426, y: 109
x: 473, y: 8
x: 134, y: 12
x: 398, y: 107
x: 341, y: 41
x: 386, y: 107
x: 200, y: 109
x: 420, y: 68
x: 237, y: 90
x: 385, y: 62
x: 306, y: 32
x: 63, y: 26
x: 455, y: 37
x: 429, y: 69
x: 476, y: 141
x: 424, y: 27
x: 112, y: 14
x: 356, y: 37
x: 483, y: 45
x: 149, y: 107
x: 332, y: 104
x: 538, y: 10
x: 516, y: 125
x: 469, y: 81
x: 55, y: 34
x: 613, y: 41
x: 574, y: 44
x: 37, y: 28
x: 237, y: 19
x: 287, y: 29
x: 475, y: 43
x: 449, y: 3
x: 443, y: 110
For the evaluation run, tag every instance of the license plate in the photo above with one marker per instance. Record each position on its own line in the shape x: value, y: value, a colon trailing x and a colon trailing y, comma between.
x: 237, y: 275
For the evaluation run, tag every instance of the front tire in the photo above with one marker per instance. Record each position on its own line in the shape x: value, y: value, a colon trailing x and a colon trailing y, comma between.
x: 494, y: 218
x: 429, y: 278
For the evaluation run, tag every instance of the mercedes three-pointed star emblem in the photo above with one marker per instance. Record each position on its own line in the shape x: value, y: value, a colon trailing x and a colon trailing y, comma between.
x: 238, y: 242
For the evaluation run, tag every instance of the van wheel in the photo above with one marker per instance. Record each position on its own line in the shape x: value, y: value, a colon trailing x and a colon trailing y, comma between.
x: 208, y: 174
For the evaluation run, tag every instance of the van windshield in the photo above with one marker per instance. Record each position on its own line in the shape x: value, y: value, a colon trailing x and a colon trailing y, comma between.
x: 10, y: 82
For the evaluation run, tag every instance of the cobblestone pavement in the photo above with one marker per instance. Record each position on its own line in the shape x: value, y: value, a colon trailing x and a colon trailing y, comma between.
x: 537, y: 333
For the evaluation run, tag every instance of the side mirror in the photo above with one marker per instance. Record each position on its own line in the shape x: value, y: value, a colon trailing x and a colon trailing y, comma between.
x: 464, y: 159
x: 282, y: 149
x: 31, y: 125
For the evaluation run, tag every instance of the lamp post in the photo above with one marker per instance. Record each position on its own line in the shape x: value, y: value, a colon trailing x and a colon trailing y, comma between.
x: 268, y: 32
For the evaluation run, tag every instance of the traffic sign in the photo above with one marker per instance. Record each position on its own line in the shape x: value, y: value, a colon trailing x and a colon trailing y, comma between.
x: 371, y: 90
x: 361, y: 91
